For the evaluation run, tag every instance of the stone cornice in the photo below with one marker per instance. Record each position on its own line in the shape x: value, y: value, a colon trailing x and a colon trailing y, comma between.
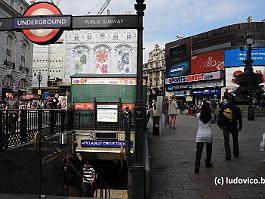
x: 9, y: 10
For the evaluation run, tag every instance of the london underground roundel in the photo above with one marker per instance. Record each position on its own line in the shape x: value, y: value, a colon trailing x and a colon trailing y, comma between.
x: 42, y: 36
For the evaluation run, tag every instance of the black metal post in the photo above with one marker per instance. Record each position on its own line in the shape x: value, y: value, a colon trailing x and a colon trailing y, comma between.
x: 39, y: 162
x: 138, y: 190
x: 23, y: 125
x: 62, y: 120
x: 52, y: 120
x: 249, y: 70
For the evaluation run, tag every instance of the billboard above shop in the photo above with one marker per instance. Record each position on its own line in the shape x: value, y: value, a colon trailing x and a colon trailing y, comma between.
x: 195, y: 77
x: 175, y: 87
x: 207, y: 62
x: 210, y: 91
x: 178, y: 69
x: 236, y: 57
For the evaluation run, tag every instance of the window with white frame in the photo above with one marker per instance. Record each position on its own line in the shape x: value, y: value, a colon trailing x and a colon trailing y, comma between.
x: 9, y: 48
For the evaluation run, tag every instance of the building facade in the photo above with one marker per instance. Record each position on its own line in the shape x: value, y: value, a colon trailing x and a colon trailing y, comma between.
x: 15, y: 52
x: 205, y: 65
x: 154, y: 70
x: 49, y: 62
x: 100, y: 52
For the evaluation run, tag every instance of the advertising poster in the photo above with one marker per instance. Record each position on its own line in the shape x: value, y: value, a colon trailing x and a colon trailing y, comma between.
x: 112, y: 81
x: 231, y: 73
x: 80, y: 59
x: 236, y: 57
x: 107, y: 113
x: 102, y: 60
x: 207, y: 62
x: 178, y: 69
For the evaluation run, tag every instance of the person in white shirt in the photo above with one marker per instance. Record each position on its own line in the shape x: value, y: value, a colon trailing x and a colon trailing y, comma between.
x: 204, y: 136
x: 172, y: 111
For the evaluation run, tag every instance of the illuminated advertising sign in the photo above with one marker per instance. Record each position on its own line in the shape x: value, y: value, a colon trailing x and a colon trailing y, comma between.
x: 231, y: 73
x: 235, y: 57
x: 207, y: 62
x: 195, y: 77
x: 178, y: 69
x: 177, y: 57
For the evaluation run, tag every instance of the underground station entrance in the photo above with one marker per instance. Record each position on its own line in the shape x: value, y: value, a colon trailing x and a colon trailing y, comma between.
x: 43, y: 24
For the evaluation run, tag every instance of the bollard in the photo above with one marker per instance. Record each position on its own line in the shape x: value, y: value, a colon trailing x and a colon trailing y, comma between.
x: 156, y: 125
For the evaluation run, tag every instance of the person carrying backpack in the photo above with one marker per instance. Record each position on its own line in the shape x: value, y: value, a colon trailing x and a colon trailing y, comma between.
x: 230, y: 121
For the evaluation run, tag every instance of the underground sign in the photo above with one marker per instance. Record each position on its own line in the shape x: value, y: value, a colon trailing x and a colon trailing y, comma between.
x: 42, y: 23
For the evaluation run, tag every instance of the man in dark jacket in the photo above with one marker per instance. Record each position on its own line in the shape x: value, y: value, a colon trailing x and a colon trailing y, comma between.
x: 230, y: 120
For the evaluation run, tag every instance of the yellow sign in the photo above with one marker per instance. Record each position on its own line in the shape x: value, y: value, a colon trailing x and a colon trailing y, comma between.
x: 39, y: 92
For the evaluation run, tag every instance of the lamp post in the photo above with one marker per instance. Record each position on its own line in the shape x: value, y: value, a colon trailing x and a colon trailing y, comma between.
x: 39, y: 77
x: 249, y: 70
x: 138, y: 190
x: 248, y: 81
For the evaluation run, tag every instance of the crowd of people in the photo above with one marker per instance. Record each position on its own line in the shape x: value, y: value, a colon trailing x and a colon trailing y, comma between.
x: 11, y: 101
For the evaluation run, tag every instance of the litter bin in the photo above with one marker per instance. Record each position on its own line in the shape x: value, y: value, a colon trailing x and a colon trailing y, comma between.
x: 156, y: 125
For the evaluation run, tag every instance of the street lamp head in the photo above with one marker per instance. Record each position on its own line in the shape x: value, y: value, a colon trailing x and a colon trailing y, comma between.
x: 249, y: 40
x: 39, y: 77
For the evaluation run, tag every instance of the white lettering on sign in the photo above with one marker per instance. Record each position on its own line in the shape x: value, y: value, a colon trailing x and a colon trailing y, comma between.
x: 114, y: 21
x: 107, y: 21
x: 33, y: 22
x: 92, y: 22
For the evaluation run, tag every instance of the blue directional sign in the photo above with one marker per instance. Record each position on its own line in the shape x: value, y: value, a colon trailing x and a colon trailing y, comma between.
x: 103, y: 143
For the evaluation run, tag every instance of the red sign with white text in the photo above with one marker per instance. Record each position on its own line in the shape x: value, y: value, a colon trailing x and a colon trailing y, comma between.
x: 207, y: 62
x: 84, y: 106
x: 130, y: 106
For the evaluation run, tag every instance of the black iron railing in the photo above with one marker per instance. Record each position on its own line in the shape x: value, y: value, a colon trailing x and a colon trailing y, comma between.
x: 19, y: 126
x: 86, y: 120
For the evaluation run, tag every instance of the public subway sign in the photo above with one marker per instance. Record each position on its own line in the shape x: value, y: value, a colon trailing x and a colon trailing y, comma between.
x: 104, y: 22
x: 195, y: 77
x: 43, y: 23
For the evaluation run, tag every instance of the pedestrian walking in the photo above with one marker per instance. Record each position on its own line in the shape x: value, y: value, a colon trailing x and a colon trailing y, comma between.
x: 12, y: 105
x: 165, y: 111
x: 172, y: 111
x: 70, y: 176
x: 204, y: 135
x: 230, y: 121
x: 89, y: 176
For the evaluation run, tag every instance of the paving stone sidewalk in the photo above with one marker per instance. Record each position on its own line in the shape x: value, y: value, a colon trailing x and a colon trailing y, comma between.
x: 172, y: 163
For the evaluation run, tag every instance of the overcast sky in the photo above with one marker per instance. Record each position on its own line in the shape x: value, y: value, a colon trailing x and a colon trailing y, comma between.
x: 165, y: 19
